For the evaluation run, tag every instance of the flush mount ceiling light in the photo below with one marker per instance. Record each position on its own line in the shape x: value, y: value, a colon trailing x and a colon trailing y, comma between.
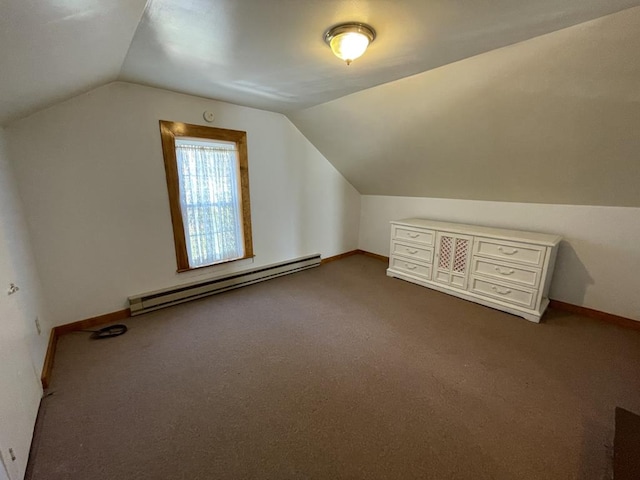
x: 349, y: 41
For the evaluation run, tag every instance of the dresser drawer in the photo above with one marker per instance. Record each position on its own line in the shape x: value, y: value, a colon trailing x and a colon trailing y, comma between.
x: 509, y: 251
x: 411, y: 268
x: 420, y: 253
x: 426, y: 237
x: 521, y: 296
x: 506, y: 272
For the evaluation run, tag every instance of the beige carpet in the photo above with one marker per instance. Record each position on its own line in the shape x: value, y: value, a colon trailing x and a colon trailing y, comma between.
x: 338, y: 373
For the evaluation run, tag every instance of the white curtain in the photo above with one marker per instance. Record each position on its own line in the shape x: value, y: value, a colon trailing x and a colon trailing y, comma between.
x: 210, y: 202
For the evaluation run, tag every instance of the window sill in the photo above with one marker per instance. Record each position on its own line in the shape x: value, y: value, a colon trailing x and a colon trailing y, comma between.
x: 204, y: 268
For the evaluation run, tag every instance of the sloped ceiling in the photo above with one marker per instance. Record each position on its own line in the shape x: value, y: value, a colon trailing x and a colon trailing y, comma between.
x: 262, y: 53
x: 509, y: 100
x: 271, y: 55
x: 555, y: 119
x: 52, y: 50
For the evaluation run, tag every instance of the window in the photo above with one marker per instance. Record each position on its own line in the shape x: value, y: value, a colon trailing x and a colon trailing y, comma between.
x: 208, y: 182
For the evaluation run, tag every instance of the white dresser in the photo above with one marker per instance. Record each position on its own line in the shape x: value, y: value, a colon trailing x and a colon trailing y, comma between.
x: 508, y: 270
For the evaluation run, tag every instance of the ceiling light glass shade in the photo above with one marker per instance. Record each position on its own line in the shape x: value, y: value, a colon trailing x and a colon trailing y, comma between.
x: 349, y: 41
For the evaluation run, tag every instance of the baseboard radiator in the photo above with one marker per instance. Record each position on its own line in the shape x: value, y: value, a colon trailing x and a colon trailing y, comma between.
x: 150, y: 301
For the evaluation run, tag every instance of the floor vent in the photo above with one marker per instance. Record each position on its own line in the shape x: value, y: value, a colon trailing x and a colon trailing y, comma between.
x: 150, y: 301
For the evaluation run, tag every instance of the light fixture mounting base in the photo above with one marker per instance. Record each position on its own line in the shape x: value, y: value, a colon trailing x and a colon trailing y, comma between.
x: 346, y: 27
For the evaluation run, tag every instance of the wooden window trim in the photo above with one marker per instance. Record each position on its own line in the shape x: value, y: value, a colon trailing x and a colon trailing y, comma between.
x: 169, y: 131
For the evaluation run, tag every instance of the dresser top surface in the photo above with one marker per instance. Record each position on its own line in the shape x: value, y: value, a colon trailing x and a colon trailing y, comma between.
x: 505, y: 234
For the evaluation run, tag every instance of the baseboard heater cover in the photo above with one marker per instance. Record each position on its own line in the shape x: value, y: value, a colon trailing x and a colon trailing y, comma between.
x: 150, y: 301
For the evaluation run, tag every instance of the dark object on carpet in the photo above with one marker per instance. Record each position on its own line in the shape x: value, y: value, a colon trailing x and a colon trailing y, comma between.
x: 626, y: 449
x: 109, y: 332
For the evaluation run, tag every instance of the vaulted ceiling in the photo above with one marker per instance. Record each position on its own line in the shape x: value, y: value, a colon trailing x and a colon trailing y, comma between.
x: 508, y: 100
x: 555, y: 119
x: 262, y: 53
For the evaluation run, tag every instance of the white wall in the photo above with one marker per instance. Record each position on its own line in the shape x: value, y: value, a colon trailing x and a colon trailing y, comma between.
x: 22, y: 350
x: 91, y: 173
x: 598, y: 261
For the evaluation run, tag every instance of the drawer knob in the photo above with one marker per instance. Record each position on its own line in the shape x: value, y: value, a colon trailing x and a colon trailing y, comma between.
x: 504, y: 272
x: 410, y: 267
x: 504, y: 292
x: 506, y: 252
x: 413, y: 235
x: 412, y: 252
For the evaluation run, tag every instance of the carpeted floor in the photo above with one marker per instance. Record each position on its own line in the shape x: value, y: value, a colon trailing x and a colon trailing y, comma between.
x: 338, y: 372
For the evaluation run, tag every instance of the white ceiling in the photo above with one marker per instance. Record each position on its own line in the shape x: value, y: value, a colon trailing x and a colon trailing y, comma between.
x: 51, y: 50
x: 554, y: 119
x: 262, y: 53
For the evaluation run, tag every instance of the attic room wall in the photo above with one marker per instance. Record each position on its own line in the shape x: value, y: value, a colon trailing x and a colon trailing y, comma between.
x: 21, y: 348
x: 92, y: 175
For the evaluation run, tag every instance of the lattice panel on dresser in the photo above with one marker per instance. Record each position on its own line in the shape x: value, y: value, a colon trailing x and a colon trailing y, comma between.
x: 460, y: 255
x: 446, y: 244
